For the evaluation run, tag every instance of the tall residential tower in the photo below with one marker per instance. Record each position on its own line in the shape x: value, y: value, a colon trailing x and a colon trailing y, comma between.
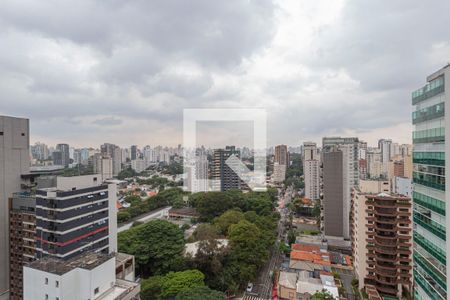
x: 431, y: 203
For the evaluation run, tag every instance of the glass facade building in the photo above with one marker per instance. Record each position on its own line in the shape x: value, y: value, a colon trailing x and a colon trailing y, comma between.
x: 429, y: 196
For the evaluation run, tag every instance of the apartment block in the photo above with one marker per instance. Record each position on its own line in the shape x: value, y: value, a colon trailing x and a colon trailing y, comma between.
x: 224, y: 178
x: 22, y: 245
x: 382, y: 242
x: 87, y: 276
x: 311, y: 170
x: 76, y: 216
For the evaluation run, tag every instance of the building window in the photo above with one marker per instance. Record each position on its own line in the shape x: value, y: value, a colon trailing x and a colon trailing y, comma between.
x: 23, y: 134
x: 57, y: 283
x: 46, y: 296
x: 46, y: 280
x: 1, y: 132
x: 96, y: 290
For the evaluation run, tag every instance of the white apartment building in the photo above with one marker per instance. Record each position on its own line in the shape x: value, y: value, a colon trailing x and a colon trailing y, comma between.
x: 103, y: 166
x: 88, y: 276
x: 311, y: 170
x: 279, y: 172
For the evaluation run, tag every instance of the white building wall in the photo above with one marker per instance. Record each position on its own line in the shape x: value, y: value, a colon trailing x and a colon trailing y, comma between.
x: 74, y: 285
x: 311, y: 171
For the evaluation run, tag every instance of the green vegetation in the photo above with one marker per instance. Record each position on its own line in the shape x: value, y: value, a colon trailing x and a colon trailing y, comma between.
x: 126, y: 173
x: 247, y: 221
x: 200, y: 292
x: 285, y: 249
x: 156, y: 182
x: 250, y: 238
x: 174, y: 168
x: 156, y: 245
x: 322, y: 295
x: 213, y: 204
x: 294, y: 172
x: 169, y: 285
x: 77, y: 171
x: 309, y: 232
x: 291, y: 237
x: 169, y: 197
x: 296, y: 167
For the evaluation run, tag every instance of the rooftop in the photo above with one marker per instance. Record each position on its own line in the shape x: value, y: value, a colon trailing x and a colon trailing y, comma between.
x: 88, y: 261
x: 288, y: 279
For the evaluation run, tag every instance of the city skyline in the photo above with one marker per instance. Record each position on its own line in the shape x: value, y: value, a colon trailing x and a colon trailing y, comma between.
x: 127, y: 82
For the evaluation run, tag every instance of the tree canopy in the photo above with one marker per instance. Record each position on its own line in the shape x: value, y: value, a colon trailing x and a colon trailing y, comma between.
x: 169, y: 285
x: 200, y: 292
x: 322, y: 295
x: 156, y: 245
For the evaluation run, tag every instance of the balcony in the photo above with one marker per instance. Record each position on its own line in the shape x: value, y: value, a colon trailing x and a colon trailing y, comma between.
x: 431, y: 89
x: 431, y: 248
x: 430, y: 225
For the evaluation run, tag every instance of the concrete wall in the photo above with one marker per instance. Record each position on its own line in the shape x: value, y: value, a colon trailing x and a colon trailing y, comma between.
x: 14, y: 161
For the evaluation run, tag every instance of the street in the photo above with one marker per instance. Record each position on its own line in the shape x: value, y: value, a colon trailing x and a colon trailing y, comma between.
x: 155, y: 214
x: 262, y: 289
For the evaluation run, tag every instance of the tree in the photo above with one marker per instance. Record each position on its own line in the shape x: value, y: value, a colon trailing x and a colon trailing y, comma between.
x: 247, y: 249
x: 261, y: 203
x: 127, y: 173
x: 291, y: 237
x: 322, y: 295
x: 212, y: 204
x: 156, y: 245
x: 175, y: 282
x: 205, y: 232
x: 123, y: 216
x: 200, y: 292
x: 210, y: 259
x: 228, y: 218
x: 169, y: 285
x: 151, y: 287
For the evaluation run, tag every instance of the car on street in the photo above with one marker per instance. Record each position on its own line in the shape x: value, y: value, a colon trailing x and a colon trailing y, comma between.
x: 249, y: 287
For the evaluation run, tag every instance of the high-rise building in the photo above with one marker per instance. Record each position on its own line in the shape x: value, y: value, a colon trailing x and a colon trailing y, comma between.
x: 336, y: 193
x: 197, y: 173
x: 76, y: 216
x: 133, y: 151
x: 353, y: 155
x: 311, y: 170
x: 39, y: 151
x: 14, y: 161
x: 115, y: 153
x: 65, y: 155
x: 224, y: 178
x: 430, y: 146
x: 381, y: 241
x: 281, y: 155
x: 279, y: 172
x: 103, y: 165
x: 374, y: 164
x: 385, y: 147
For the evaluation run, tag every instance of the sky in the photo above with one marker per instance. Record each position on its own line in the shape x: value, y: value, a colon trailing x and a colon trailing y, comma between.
x: 122, y: 71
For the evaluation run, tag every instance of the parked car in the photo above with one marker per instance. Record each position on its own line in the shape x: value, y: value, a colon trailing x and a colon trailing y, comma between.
x: 249, y: 287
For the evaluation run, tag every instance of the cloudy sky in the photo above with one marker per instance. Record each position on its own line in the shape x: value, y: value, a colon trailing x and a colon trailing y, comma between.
x: 88, y: 72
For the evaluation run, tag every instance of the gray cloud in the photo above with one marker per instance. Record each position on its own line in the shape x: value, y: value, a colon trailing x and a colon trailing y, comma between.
x: 137, y: 64
x: 108, y: 121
